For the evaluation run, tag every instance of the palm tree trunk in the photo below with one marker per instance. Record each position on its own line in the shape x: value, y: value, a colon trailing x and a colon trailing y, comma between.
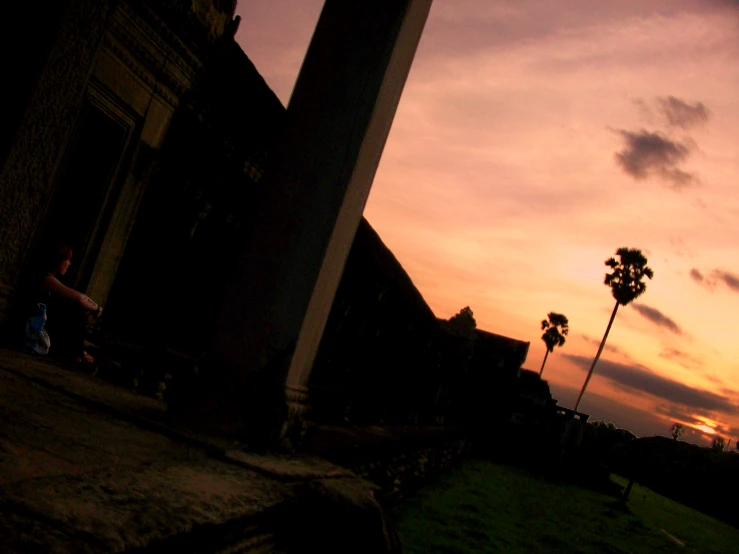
x: 542, y: 363
x: 597, y: 356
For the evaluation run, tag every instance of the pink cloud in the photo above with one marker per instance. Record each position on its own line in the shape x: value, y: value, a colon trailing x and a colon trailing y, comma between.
x: 498, y: 188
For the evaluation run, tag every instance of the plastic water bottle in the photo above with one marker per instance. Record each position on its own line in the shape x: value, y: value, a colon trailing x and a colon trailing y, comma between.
x: 37, y: 322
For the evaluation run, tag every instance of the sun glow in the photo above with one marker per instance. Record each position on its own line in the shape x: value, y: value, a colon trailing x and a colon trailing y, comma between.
x: 705, y: 428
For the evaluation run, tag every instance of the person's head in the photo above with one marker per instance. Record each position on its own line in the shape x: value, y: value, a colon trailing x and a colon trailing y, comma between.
x: 59, y: 259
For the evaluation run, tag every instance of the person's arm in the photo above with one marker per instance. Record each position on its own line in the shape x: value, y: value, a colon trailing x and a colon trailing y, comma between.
x: 54, y: 286
x: 89, y: 304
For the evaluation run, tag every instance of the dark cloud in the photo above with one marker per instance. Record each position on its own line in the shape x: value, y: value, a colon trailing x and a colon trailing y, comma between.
x: 638, y: 378
x: 647, y: 154
x: 679, y: 413
x: 608, y: 348
x: 715, y: 278
x: 696, y: 276
x: 658, y: 318
x: 683, y: 358
x: 678, y: 178
x: 644, y: 109
x: 728, y: 279
x: 693, y: 418
x: 681, y: 114
x: 641, y: 422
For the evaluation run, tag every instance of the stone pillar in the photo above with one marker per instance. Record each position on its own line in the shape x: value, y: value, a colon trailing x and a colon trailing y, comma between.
x: 275, y: 307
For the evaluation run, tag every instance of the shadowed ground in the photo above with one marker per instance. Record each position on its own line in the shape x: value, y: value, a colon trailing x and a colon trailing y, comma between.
x: 484, y: 507
x: 86, y: 466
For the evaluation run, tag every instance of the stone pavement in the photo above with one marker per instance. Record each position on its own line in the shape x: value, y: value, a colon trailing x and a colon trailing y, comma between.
x: 86, y: 466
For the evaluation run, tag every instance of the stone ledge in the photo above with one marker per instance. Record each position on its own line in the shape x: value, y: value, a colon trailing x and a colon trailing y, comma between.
x: 135, y: 508
x: 277, y: 466
x: 287, y: 468
x: 81, y: 471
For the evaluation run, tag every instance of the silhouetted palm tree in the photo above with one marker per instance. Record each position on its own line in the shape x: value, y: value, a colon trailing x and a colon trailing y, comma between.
x: 626, y: 284
x: 555, y: 330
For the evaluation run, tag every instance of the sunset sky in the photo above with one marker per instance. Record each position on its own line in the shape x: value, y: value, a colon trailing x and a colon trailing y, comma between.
x: 534, y: 138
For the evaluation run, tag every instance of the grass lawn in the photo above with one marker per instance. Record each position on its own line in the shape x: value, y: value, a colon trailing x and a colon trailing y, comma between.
x: 484, y: 507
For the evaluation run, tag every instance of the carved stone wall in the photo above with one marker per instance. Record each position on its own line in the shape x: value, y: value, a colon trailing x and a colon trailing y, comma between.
x: 147, y: 69
x: 30, y: 51
x: 27, y: 176
x: 133, y: 60
x: 197, y: 22
x: 197, y: 203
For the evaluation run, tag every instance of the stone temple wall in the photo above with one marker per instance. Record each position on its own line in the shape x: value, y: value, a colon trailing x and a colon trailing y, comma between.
x: 197, y: 204
x: 26, y: 177
x: 201, y: 123
x: 385, y: 358
x: 133, y: 60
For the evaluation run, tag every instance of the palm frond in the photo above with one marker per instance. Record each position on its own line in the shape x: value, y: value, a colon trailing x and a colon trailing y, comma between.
x: 626, y: 280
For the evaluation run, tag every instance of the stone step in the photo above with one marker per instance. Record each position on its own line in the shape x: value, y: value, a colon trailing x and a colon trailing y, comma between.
x: 260, y: 542
x: 230, y: 538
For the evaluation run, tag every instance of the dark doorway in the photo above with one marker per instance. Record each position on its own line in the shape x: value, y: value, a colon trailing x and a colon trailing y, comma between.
x: 78, y: 214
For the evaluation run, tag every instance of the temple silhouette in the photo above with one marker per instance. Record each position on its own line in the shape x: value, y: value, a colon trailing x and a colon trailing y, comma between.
x: 244, y: 293
x: 219, y: 231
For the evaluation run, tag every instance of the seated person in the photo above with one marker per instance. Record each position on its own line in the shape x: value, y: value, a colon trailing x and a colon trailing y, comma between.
x: 68, y: 311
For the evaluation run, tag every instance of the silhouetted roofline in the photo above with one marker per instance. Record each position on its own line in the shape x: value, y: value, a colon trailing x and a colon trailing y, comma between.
x: 370, y: 240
